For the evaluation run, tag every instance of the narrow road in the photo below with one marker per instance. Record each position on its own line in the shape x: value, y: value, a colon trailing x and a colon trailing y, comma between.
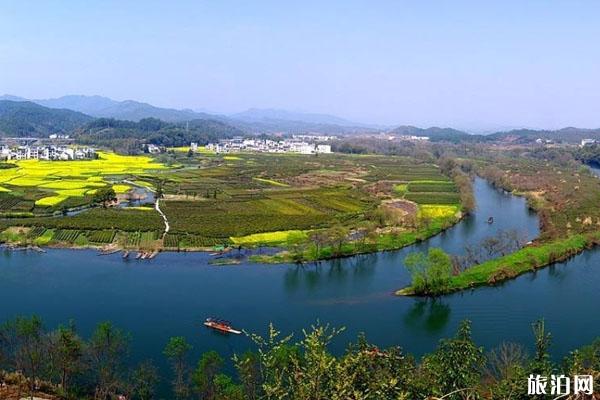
x: 164, y: 217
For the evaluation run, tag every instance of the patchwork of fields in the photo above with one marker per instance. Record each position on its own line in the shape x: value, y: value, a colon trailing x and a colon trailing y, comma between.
x: 241, y: 200
x: 255, y: 199
x: 44, y: 186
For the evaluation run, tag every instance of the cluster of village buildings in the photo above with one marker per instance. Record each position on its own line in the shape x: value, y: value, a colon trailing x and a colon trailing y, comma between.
x: 410, y: 138
x: 298, y: 144
x: 49, y: 152
x: 588, y: 142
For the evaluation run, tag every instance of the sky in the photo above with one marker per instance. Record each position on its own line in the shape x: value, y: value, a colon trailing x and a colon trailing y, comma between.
x: 474, y: 65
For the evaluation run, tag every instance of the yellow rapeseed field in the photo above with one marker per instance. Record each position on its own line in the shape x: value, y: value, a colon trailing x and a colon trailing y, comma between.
x: 437, y: 210
x: 269, y: 238
x: 63, y: 179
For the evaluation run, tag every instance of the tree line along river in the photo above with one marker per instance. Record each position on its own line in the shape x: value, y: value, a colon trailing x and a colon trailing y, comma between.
x: 172, y: 294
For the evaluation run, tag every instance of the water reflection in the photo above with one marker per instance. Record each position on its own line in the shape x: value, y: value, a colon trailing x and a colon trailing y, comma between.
x: 330, y: 274
x: 555, y: 273
x: 429, y: 315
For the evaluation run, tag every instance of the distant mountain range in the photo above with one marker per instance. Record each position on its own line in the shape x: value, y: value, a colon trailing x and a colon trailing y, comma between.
x: 103, y: 107
x: 22, y: 117
x: 253, y: 120
x: 268, y: 114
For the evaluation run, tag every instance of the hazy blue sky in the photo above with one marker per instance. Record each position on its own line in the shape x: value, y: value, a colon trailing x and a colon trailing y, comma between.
x: 468, y: 64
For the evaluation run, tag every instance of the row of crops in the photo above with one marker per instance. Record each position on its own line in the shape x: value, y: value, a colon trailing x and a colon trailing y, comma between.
x: 242, y: 215
x: 430, y: 192
x: 71, y: 236
x: 401, y: 172
x: 121, y: 219
x: 10, y: 203
x: 182, y: 241
x: 141, y: 239
x: 44, y: 236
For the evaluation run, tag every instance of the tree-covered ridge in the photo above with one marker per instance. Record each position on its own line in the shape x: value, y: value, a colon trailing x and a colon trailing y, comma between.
x: 25, y: 119
x: 121, y: 135
x: 435, y: 134
x: 65, y: 365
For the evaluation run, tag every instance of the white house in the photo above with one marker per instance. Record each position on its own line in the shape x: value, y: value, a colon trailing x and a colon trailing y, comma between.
x: 586, y: 142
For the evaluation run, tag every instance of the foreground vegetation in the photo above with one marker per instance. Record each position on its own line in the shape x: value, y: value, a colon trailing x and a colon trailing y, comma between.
x: 64, y: 365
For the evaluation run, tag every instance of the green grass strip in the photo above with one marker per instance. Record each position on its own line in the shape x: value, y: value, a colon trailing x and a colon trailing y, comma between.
x: 527, y: 259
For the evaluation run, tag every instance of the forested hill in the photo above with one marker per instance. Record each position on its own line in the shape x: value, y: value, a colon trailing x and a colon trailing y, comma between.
x: 127, y: 136
x: 568, y: 135
x: 103, y: 107
x: 26, y: 119
x: 435, y: 134
x: 517, y: 136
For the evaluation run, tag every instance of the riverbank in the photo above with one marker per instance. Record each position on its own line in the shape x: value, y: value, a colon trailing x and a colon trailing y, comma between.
x: 527, y: 259
x: 564, y: 196
x: 386, y: 241
x: 299, y: 247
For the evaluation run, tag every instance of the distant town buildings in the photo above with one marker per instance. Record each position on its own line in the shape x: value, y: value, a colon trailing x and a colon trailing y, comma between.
x: 411, y: 138
x: 544, y: 141
x: 154, y: 149
x: 50, y: 152
x: 587, y: 142
x: 57, y: 136
x: 313, y: 138
x: 294, y: 145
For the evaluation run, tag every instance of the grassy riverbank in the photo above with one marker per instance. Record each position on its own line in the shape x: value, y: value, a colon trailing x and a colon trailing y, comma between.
x: 373, y: 242
x: 528, y: 259
x: 564, y: 195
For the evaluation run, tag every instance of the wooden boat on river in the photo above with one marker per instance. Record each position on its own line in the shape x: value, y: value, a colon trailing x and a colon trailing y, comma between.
x: 221, y: 326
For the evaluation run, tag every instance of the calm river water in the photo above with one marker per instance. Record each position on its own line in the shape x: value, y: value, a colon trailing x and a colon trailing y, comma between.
x: 172, y: 294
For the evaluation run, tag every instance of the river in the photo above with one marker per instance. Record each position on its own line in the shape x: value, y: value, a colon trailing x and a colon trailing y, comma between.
x: 172, y: 294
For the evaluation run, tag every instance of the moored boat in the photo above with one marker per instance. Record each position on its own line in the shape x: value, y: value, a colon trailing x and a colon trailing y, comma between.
x: 220, y: 325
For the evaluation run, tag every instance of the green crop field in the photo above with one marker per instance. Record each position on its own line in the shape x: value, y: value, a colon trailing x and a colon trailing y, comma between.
x: 228, y: 199
x: 433, y: 198
x: 214, y: 200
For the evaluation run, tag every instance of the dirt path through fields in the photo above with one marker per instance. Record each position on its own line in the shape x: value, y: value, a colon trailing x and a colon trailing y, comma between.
x: 164, y: 217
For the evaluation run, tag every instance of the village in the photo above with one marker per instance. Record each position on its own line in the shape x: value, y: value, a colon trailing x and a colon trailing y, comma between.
x: 302, y: 144
x: 46, y: 152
